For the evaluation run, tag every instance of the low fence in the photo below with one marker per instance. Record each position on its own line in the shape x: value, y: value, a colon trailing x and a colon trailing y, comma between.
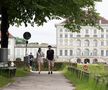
x: 101, y: 81
x: 8, y: 71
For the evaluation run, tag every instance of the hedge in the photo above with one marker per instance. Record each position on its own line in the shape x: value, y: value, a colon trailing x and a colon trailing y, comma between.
x: 57, y: 65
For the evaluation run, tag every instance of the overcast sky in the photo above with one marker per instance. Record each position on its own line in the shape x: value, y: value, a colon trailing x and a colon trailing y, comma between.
x: 47, y: 32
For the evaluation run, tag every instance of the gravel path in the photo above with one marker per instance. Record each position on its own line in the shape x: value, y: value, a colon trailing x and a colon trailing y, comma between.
x: 42, y: 81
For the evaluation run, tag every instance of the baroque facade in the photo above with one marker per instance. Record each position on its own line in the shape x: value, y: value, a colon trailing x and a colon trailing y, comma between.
x: 89, y: 44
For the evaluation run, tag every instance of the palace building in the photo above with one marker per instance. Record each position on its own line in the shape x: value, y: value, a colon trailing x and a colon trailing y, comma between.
x: 90, y: 44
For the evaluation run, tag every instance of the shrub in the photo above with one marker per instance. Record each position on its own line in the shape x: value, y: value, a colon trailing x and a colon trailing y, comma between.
x: 19, y: 63
x: 18, y: 59
x: 57, y: 66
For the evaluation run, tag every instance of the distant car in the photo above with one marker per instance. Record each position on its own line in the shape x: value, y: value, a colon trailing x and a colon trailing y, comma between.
x: 73, y: 60
x: 102, y: 61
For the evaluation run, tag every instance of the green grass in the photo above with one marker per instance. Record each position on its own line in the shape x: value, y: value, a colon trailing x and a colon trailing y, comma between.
x: 4, y: 81
x: 83, y: 84
x: 97, y: 69
x: 21, y: 72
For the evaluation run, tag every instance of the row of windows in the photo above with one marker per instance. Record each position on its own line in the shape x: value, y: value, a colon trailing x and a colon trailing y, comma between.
x: 86, y: 31
x: 86, y: 43
x: 86, y: 52
x: 71, y: 35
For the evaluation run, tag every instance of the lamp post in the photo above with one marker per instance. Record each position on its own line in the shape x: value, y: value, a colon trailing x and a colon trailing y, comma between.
x: 26, y: 36
x: 26, y: 47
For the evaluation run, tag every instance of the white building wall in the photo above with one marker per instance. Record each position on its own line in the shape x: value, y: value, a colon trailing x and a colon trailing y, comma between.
x: 20, y: 50
x: 70, y: 43
x: 11, y: 51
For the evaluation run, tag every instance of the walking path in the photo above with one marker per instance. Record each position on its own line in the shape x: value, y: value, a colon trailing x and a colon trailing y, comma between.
x: 42, y: 81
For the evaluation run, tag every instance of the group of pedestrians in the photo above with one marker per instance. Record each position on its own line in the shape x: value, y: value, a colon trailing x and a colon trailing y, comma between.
x: 40, y: 59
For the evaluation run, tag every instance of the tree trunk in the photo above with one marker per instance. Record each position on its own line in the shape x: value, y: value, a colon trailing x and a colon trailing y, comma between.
x: 4, y: 28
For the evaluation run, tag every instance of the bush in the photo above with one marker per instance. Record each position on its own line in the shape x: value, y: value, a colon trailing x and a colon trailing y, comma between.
x: 57, y: 66
x: 18, y: 59
x: 19, y: 63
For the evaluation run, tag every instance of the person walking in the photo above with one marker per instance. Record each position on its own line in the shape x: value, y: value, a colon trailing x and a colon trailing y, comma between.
x: 50, y: 58
x: 39, y: 58
x: 31, y: 58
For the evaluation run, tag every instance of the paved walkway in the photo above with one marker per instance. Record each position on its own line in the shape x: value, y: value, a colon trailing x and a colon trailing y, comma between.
x: 42, y: 81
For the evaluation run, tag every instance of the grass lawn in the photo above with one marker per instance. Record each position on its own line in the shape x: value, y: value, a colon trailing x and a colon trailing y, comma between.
x: 84, y: 84
x: 20, y: 72
x: 97, y: 69
x: 4, y: 81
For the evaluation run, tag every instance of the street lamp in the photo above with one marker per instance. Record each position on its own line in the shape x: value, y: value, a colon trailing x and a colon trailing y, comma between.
x: 26, y: 36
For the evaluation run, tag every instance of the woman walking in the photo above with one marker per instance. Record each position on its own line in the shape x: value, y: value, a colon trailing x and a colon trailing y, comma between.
x: 39, y: 58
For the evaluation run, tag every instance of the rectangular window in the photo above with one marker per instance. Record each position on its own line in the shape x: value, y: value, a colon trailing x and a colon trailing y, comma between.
x: 87, y: 31
x: 86, y: 35
x: 61, y: 35
x: 102, y: 52
x: 61, y: 52
x: 102, y: 36
x: 71, y: 52
x: 106, y: 52
x: 66, y: 30
x: 107, y: 30
x: 71, y: 35
x: 94, y: 35
x: 66, y: 36
x: 106, y: 43
x: 102, y: 30
x: 66, y: 52
x: 78, y: 36
x: 95, y: 31
x: 102, y: 43
x: 107, y: 36
x: 61, y: 30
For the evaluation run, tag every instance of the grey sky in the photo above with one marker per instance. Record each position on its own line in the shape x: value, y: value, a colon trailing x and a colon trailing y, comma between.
x: 47, y: 32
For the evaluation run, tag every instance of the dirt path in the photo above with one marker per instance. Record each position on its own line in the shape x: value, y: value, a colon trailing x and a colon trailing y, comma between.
x: 42, y: 81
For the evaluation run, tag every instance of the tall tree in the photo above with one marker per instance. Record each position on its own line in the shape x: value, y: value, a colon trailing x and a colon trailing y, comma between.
x: 78, y: 12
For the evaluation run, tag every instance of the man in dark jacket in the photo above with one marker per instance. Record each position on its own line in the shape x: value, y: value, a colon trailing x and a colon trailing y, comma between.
x: 50, y: 58
x: 31, y: 57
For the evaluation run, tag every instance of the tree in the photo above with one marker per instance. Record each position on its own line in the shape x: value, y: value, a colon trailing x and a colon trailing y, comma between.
x: 78, y: 12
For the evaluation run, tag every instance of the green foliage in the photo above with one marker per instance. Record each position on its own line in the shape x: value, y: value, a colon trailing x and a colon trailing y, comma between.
x: 4, y: 81
x: 96, y: 69
x: 21, y: 72
x: 57, y: 65
x: 84, y: 84
x: 78, y: 12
